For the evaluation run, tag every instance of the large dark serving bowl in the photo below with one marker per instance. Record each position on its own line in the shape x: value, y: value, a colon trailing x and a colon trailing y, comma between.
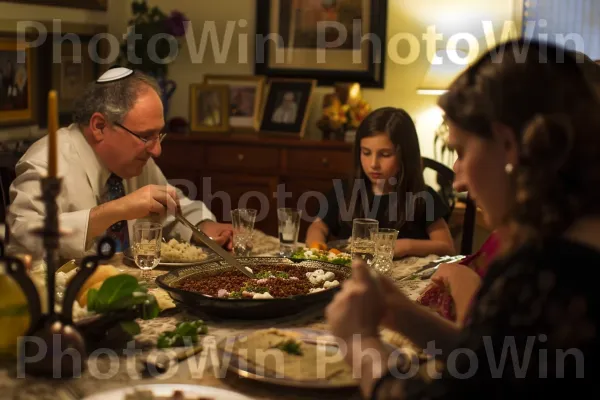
x: 246, y: 308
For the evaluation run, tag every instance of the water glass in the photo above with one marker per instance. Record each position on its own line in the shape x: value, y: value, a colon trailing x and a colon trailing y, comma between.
x: 363, y: 238
x: 385, y: 240
x: 289, y: 227
x: 243, y: 220
x: 147, y: 237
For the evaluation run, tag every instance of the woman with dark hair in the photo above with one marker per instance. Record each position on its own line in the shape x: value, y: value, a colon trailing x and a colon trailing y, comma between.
x: 525, y: 123
x: 387, y: 185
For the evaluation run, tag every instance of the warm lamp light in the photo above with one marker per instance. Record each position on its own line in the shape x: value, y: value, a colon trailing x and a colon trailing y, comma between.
x: 441, y: 73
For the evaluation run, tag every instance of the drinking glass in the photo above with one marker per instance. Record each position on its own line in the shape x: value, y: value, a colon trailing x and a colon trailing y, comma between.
x: 363, y: 238
x: 147, y: 237
x: 385, y: 239
x: 243, y: 227
x: 289, y: 227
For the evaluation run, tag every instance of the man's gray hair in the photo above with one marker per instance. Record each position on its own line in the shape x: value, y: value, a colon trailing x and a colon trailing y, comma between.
x: 113, y: 99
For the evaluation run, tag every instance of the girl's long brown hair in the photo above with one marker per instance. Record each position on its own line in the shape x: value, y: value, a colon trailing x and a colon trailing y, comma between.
x: 399, y: 126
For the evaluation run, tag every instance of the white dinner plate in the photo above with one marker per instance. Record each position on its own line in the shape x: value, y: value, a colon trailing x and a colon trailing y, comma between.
x: 189, y: 391
x: 209, y: 256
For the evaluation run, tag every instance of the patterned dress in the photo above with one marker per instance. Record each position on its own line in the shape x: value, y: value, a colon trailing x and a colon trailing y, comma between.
x: 533, y: 331
x: 439, y: 299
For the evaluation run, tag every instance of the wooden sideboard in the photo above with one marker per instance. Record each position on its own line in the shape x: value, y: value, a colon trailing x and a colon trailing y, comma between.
x: 254, y: 172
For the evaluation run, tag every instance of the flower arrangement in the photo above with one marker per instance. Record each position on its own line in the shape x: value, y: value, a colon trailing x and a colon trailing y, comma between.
x: 138, y: 52
x: 343, y: 110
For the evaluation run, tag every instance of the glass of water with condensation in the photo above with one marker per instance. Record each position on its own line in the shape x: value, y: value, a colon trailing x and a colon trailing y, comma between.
x: 147, y: 238
x: 363, y: 238
x: 289, y: 227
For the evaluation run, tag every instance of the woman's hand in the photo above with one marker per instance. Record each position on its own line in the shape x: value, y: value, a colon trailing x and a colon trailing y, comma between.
x: 463, y: 282
x: 354, y: 316
x: 395, y: 303
x: 359, y: 307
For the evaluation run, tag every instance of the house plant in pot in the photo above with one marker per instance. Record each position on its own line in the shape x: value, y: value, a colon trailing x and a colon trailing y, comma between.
x: 152, y: 43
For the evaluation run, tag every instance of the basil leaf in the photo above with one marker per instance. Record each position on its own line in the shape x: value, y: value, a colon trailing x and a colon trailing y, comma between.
x: 186, y: 329
x: 164, y: 342
x: 116, y: 287
x: 150, y: 308
x: 131, y: 327
x: 92, y: 300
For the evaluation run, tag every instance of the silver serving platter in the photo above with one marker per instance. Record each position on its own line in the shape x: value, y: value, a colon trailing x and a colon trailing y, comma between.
x: 247, y: 369
x: 246, y: 308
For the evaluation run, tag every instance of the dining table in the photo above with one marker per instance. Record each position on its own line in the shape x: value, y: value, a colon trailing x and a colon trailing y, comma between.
x: 117, y: 368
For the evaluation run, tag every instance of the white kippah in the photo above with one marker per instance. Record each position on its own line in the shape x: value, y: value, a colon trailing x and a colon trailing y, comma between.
x: 115, y: 74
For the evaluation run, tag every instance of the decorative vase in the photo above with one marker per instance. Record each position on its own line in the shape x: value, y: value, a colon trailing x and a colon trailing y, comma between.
x: 167, y: 88
x: 349, y: 135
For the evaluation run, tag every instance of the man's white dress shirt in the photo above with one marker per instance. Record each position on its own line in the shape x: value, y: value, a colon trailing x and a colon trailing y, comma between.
x: 83, y: 184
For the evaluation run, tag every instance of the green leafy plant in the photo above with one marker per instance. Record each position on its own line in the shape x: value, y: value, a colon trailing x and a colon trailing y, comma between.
x: 122, y: 292
x: 290, y: 346
x: 151, y: 36
x: 185, y: 333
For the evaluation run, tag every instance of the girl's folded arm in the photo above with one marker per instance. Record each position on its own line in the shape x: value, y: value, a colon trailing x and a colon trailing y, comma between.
x: 440, y: 242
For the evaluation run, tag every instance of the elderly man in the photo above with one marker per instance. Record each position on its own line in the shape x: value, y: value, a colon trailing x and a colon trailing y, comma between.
x: 109, y: 176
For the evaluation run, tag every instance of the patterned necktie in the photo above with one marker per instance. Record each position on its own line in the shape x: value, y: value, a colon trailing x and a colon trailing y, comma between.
x: 118, y: 231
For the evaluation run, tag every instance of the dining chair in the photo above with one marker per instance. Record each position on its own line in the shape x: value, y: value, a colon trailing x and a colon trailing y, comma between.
x: 445, y: 179
x: 8, y: 161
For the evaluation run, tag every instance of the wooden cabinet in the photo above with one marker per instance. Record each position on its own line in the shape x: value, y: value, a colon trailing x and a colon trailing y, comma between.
x: 256, y: 172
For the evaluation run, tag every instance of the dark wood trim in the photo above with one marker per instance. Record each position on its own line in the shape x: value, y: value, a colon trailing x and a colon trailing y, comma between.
x: 373, y: 78
x: 260, y: 138
x: 98, y: 5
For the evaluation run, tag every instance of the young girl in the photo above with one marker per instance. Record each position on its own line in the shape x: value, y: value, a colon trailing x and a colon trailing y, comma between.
x: 388, y: 186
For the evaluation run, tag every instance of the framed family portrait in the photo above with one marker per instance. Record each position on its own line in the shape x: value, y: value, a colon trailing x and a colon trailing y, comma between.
x: 322, y: 40
x: 209, y: 108
x: 286, y: 107
x: 245, y: 99
x: 100, y: 5
x: 16, y: 103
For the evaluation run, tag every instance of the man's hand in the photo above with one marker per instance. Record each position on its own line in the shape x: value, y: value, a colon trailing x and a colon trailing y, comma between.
x: 150, y: 199
x: 220, y: 233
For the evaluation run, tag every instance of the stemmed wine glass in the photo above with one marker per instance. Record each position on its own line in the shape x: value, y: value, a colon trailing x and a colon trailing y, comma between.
x: 147, y: 237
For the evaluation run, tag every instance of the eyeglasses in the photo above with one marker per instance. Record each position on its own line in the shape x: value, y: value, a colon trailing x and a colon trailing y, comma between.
x: 147, y: 142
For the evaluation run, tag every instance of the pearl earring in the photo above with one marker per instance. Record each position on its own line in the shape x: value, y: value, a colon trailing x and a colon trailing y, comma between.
x: 508, y: 168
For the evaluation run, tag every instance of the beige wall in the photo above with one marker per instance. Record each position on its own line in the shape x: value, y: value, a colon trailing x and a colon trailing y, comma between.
x: 12, y: 13
x: 409, y: 16
x: 404, y: 16
x: 33, y: 12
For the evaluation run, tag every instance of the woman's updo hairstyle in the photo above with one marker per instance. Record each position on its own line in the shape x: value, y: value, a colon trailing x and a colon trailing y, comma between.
x: 550, y: 98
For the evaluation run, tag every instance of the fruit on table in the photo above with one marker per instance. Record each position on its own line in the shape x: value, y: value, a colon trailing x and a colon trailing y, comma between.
x: 14, y: 315
x: 95, y: 281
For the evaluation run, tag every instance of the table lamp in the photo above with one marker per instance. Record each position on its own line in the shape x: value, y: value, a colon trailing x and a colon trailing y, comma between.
x: 442, y: 73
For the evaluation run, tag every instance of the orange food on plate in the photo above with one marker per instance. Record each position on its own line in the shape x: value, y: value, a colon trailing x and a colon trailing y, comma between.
x: 318, y: 246
x: 335, y: 251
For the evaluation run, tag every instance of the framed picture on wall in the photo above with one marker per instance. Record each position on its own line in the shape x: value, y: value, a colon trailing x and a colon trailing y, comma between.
x: 245, y: 99
x: 321, y: 39
x: 16, y: 103
x: 209, y: 108
x: 286, y: 107
x: 100, y: 5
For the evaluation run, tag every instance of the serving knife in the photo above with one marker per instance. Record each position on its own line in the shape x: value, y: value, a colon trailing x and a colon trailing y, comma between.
x: 214, y: 246
x: 433, y: 264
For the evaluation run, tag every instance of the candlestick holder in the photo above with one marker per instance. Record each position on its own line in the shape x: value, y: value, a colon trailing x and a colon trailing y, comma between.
x: 53, y: 346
